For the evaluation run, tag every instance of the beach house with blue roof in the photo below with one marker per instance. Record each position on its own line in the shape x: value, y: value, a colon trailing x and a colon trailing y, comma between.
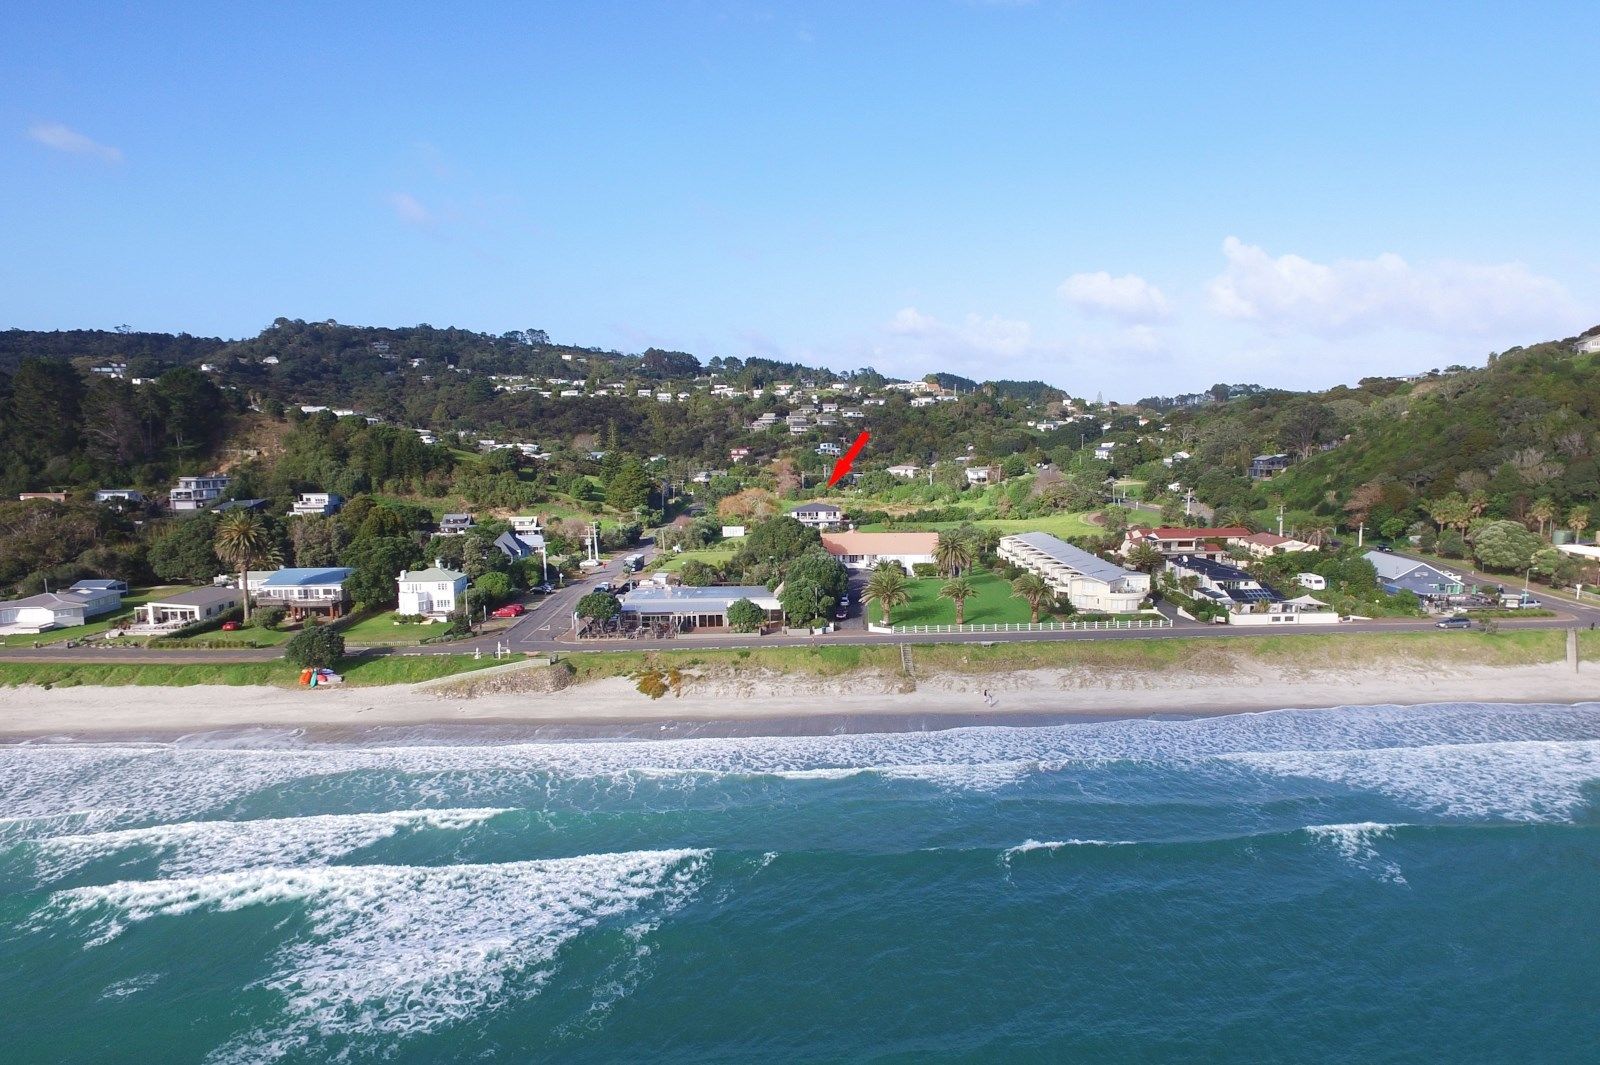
x: 304, y: 590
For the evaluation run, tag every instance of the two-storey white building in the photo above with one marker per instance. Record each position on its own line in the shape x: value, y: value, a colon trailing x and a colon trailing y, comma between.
x: 431, y: 593
x: 197, y: 493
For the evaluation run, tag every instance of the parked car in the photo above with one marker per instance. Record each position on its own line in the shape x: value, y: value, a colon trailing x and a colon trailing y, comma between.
x: 543, y: 589
x: 1457, y: 622
x: 510, y: 610
x: 230, y: 626
x: 842, y: 611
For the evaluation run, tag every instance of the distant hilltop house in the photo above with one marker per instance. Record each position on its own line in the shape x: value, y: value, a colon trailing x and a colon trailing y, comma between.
x: 430, y: 593
x: 738, y: 454
x: 1169, y: 540
x: 866, y: 550
x: 303, y: 591
x: 830, y: 450
x: 818, y: 515
x: 317, y: 504
x: 1089, y: 581
x: 1428, y: 583
x: 118, y: 495
x: 455, y: 524
x: 905, y: 470
x: 197, y: 493
x: 977, y: 475
x: 1266, y: 467
x: 1103, y: 452
x: 1263, y: 544
x: 49, y: 497
x: 60, y: 610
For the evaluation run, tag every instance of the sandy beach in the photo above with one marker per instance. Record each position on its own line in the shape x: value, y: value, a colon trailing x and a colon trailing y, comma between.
x: 776, y: 704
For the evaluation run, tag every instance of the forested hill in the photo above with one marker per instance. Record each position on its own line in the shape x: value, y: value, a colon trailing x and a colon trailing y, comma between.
x: 1522, y: 431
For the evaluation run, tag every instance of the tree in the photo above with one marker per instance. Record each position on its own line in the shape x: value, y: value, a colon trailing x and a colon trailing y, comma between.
x: 1542, y: 511
x: 1505, y: 545
x: 599, y: 606
x: 376, y: 562
x: 241, y: 538
x: 629, y: 489
x: 745, y: 616
x: 1578, y: 521
x: 696, y: 574
x: 812, y: 585
x: 1145, y: 558
x: 888, y: 588
x: 953, y: 554
x: 317, y: 647
x: 958, y: 590
x: 1033, y: 590
x: 183, y: 551
x: 496, y: 587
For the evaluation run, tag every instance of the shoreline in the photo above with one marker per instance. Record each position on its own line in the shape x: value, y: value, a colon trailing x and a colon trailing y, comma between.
x: 766, y: 705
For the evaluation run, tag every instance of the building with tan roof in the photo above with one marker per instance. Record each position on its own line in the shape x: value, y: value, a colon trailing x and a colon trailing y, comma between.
x: 864, y: 550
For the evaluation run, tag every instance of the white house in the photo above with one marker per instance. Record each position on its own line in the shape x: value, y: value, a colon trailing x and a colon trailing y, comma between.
x: 829, y: 449
x: 527, y: 523
x: 818, y: 515
x: 319, y: 504
x: 905, y: 471
x: 57, y: 610
x: 864, y: 550
x: 455, y: 524
x: 1264, y: 544
x: 197, y: 493
x: 306, y: 590
x: 187, y: 608
x: 1104, y: 451
x: 120, y: 495
x: 982, y: 474
x: 1089, y: 581
x: 431, y: 593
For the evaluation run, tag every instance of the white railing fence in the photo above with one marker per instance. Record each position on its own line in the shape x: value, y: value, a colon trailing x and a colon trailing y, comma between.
x: 1043, y: 626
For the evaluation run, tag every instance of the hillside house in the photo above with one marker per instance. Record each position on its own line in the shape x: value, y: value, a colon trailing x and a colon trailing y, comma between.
x: 818, y: 515
x: 197, y: 493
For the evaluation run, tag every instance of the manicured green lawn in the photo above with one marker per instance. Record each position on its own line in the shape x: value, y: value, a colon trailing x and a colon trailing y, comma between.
x: 992, y: 605
x: 138, y: 597
x: 712, y: 556
x: 249, y: 636
x: 1062, y: 525
x: 379, y: 630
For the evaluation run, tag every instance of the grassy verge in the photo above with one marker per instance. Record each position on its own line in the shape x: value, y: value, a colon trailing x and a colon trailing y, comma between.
x: 380, y: 630
x: 359, y: 672
x: 820, y: 661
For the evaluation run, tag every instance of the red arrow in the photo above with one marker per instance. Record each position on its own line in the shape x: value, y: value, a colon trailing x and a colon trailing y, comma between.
x: 842, y: 467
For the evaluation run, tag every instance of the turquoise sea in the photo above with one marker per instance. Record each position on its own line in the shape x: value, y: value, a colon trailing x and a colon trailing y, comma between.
x: 1368, y: 884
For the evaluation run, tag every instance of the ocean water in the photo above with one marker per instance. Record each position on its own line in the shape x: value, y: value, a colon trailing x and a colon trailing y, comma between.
x: 1365, y: 884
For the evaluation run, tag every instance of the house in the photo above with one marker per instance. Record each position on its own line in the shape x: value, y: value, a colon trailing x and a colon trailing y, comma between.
x: 118, y: 495
x: 455, y: 524
x: 319, y: 504
x: 60, y: 610
x: 1246, y: 600
x: 865, y: 550
x: 1103, y: 452
x: 52, y: 497
x: 905, y: 471
x: 738, y: 454
x: 430, y: 593
x: 1169, y: 540
x: 186, y: 608
x: 1176, y: 456
x: 197, y: 493
x: 683, y: 608
x: 307, y: 590
x: 1089, y: 581
x: 830, y: 450
x: 818, y: 515
x: 1266, y: 467
x: 982, y: 474
x: 1432, y: 585
x: 518, y: 546
x: 527, y: 523
x: 922, y: 401
x: 240, y: 504
x: 1263, y: 544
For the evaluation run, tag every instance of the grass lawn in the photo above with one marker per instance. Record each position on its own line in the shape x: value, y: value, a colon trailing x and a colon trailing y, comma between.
x: 138, y: 597
x: 249, y: 636
x: 364, y: 671
x: 712, y: 556
x: 1062, y: 525
x: 379, y: 630
x: 992, y: 605
x: 819, y: 661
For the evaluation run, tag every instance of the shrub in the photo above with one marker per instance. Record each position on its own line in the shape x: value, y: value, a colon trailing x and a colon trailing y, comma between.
x: 924, y: 569
x: 268, y: 617
x: 599, y: 606
x: 318, y: 646
x: 745, y: 616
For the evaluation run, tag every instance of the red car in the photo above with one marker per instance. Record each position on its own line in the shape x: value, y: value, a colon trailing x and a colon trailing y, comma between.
x: 511, y: 610
x: 230, y: 626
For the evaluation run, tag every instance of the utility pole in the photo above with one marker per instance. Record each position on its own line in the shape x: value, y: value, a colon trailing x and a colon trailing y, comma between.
x: 1280, y: 519
x: 1361, y: 534
x: 1188, y: 505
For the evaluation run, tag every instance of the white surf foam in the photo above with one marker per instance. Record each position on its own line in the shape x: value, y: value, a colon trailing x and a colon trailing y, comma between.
x: 196, y: 848
x: 1517, y: 781
x: 176, y: 782
x: 1029, y: 845
x: 398, y: 950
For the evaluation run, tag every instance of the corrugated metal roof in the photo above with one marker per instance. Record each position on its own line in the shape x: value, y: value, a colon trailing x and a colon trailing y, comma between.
x: 686, y: 597
x: 1091, y: 566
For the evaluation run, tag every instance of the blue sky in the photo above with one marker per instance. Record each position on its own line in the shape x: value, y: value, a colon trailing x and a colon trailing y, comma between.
x: 1127, y: 198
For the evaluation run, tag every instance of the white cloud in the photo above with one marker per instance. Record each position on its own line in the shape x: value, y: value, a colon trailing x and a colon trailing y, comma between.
x: 1292, y: 293
x: 1129, y: 298
x: 62, y: 138
x: 410, y: 210
x: 975, y: 335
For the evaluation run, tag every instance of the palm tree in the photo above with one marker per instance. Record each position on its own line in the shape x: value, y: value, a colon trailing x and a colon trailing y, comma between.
x: 1542, y: 511
x: 241, y: 538
x: 1034, y: 590
x: 1316, y: 530
x: 958, y: 590
x: 1577, y: 521
x: 953, y: 555
x: 887, y: 588
x: 1145, y: 558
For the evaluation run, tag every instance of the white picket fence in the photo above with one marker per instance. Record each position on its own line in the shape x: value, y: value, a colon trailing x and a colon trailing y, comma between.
x: 1023, y: 626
